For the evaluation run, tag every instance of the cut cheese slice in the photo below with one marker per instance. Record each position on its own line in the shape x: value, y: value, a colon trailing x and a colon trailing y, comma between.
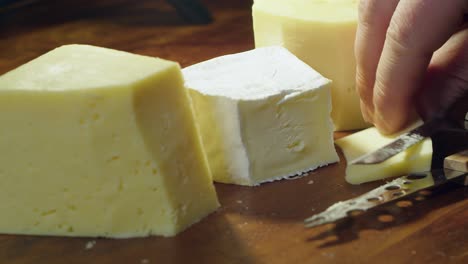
x: 98, y: 142
x: 321, y: 33
x: 415, y: 159
x: 263, y: 115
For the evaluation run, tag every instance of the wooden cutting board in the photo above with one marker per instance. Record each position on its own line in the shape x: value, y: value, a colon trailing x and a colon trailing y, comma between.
x: 255, y: 224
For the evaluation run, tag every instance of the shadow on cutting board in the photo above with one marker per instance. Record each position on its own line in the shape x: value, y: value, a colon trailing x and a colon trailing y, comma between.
x: 210, y: 241
x: 292, y: 200
x: 407, y: 209
x: 400, y: 212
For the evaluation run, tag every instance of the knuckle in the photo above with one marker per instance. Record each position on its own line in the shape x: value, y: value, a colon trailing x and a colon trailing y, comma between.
x: 363, y: 87
x: 381, y: 98
x: 399, y: 34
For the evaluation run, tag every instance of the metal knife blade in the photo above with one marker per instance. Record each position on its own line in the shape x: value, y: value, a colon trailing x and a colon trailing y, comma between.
x: 400, y: 143
x: 393, y: 190
x: 454, y: 118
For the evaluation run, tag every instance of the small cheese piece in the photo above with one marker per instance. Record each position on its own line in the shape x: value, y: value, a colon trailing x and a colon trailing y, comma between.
x: 321, y: 33
x: 98, y: 142
x: 263, y: 115
x: 415, y: 159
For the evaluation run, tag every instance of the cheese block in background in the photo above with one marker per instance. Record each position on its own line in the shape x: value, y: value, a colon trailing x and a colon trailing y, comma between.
x: 263, y: 115
x: 98, y: 142
x: 321, y: 33
x: 415, y: 159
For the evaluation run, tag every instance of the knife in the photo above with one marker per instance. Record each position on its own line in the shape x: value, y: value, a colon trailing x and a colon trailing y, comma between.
x: 455, y: 168
x: 454, y: 119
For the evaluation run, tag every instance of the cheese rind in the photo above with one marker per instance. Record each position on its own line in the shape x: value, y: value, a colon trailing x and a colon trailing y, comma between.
x: 263, y: 115
x: 415, y: 159
x: 106, y: 146
x: 320, y: 33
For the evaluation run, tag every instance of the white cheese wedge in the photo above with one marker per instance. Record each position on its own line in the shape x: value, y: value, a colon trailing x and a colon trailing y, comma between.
x: 98, y: 142
x: 415, y: 159
x: 321, y: 33
x: 263, y: 115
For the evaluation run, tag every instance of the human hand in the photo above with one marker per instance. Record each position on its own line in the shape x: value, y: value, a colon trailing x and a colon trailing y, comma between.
x: 412, y: 57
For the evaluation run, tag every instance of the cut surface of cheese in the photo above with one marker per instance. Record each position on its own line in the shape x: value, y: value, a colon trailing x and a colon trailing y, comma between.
x: 263, y: 115
x: 415, y: 159
x: 99, y: 142
x: 321, y: 33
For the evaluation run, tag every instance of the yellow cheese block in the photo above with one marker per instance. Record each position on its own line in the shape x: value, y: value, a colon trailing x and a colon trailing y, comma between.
x: 321, y: 33
x: 98, y: 142
x: 415, y: 159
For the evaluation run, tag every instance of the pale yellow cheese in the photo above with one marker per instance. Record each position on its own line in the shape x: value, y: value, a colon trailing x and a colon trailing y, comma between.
x: 98, y: 142
x: 415, y: 159
x: 321, y: 33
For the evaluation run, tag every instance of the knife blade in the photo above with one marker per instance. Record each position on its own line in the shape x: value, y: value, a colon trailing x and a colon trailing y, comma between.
x: 455, y: 119
x: 400, y: 144
x: 456, y: 167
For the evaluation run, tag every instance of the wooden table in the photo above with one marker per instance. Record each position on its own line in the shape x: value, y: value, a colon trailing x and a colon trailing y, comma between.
x: 254, y: 225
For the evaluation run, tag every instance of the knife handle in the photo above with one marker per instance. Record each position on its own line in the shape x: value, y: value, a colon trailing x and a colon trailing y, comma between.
x: 458, y: 162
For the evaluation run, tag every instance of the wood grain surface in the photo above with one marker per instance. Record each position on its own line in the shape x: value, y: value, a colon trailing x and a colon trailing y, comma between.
x: 255, y: 224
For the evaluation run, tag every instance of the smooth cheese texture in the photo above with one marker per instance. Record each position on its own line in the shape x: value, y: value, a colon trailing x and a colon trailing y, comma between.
x: 98, y: 142
x: 263, y: 115
x: 321, y: 33
x: 415, y: 159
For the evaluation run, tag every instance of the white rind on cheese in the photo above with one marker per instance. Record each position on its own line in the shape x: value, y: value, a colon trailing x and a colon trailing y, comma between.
x: 253, y: 75
x: 263, y: 115
x: 227, y: 115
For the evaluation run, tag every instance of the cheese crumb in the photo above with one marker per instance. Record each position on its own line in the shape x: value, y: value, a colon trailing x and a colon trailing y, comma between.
x: 90, y: 244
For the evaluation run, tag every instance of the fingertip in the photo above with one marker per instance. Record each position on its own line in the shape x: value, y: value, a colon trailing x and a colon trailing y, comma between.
x: 383, y: 125
x: 392, y: 122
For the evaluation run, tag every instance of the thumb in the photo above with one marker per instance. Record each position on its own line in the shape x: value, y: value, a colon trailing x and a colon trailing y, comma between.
x: 447, y: 77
